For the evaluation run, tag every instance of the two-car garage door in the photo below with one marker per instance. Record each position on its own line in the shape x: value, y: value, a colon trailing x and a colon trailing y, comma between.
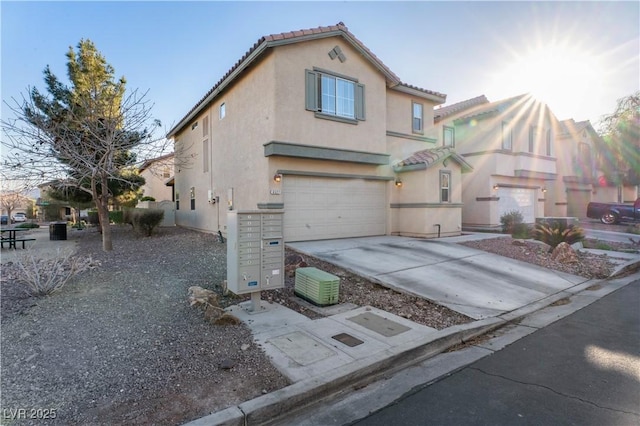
x: 318, y: 208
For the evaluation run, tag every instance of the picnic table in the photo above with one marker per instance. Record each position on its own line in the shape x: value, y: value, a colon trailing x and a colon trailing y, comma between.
x: 10, y: 236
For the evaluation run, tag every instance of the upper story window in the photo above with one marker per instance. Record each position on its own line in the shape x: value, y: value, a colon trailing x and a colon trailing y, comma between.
x: 584, y: 161
x: 223, y: 110
x: 448, y: 136
x: 418, y: 118
x: 445, y: 187
x: 533, y: 135
x: 166, y: 172
x: 334, y: 96
x: 507, y: 136
x: 337, y: 96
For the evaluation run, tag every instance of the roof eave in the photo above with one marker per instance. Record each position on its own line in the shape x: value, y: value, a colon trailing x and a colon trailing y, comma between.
x: 464, y: 165
x: 241, y: 67
x: 414, y: 92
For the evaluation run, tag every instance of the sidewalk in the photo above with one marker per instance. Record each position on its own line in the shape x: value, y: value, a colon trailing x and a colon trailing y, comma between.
x: 43, y: 247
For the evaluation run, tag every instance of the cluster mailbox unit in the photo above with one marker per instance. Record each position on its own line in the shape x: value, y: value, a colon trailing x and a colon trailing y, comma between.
x: 255, y: 252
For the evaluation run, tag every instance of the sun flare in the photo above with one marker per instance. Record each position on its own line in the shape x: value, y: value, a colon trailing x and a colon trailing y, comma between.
x: 560, y: 75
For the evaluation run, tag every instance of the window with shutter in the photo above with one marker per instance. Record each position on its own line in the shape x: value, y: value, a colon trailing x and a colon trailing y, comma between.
x: 507, y: 136
x: 331, y: 95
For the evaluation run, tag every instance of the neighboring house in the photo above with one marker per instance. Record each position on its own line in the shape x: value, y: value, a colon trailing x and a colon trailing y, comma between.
x: 312, y: 123
x: 579, y: 179
x: 575, y: 148
x: 510, y: 145
x: 158, y: 173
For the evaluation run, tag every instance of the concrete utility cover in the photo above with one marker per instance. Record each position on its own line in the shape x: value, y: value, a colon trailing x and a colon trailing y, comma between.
x: 347, y: 339
x: 378, y: 324
x: 301, y: 348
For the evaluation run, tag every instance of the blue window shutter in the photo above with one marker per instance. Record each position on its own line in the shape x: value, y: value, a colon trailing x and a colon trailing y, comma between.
x: 359, y: 102
x: 311, y: 90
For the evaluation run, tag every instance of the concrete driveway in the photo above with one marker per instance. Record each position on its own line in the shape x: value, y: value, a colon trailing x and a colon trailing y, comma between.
x: 472, y: 282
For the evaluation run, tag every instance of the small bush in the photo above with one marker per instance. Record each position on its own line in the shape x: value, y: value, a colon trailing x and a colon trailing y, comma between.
x: 41, y: 277
x: 27, y: 225
x: 557, y: 233
x: 116, y: 217
x: 146, y: 220
x: 521, y: 230
x: 509, y: 220
x: 147, y: 198
x: 93, y: 217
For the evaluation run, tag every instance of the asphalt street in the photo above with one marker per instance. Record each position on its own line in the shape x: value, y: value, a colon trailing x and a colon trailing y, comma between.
x: 581, y: 370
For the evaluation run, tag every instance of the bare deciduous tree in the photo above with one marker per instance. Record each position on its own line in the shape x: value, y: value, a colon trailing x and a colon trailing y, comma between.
x: 82, y: 135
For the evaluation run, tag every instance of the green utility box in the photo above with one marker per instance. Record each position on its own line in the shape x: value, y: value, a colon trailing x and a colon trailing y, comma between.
x: 318, y: 287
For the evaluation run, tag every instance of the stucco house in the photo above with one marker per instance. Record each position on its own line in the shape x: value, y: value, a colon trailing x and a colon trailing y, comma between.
x: 510, y: 146
x: 579, y: 178
x: 575, y: 148
x: 158, y: 174
x: 312, y: 123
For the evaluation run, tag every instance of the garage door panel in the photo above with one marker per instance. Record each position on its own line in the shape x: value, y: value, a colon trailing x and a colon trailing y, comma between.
x: 323, y: 208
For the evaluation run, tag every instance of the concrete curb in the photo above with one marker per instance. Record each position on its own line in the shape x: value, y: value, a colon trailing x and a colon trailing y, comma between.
x: 269, y: 408
x: 630, y: 266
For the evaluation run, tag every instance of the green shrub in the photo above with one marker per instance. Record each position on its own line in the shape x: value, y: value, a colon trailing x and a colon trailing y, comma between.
x: 146, y: 220
x: 509, y: 220
x: 147, y: 198
x: 521, y: 230
x: 557, y: 233
x: 116, y: 217
x: 93, y: 217
x: 27, y: 225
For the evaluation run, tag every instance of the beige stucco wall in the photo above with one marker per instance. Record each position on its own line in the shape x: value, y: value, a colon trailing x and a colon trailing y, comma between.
x: 237, y: 157
x: 422, y: 187
x: 297, y: 125
x: 155, y: 180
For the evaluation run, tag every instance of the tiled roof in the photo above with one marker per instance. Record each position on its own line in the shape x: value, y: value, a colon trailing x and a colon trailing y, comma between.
x: 429, y: 157
x: 149, y: 162
x: 571, y: 126
x: 496, y: 106
x: 292, y: 37
x: 445, y: 111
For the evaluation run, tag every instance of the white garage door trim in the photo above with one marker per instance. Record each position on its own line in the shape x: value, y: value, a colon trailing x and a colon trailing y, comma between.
x: 319, y: 208
x: 521, y: 199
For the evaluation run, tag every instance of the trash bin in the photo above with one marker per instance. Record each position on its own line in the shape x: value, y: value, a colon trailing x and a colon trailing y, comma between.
x: 57, y: 231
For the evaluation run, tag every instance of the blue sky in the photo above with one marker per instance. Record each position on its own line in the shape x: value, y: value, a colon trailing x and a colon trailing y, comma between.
x: 579, y: 57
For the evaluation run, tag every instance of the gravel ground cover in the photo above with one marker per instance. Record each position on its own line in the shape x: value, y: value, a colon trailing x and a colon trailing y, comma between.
x: 120, y: 344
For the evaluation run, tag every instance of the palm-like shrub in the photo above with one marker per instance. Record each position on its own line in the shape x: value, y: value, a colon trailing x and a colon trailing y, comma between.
x: 556, y: 233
